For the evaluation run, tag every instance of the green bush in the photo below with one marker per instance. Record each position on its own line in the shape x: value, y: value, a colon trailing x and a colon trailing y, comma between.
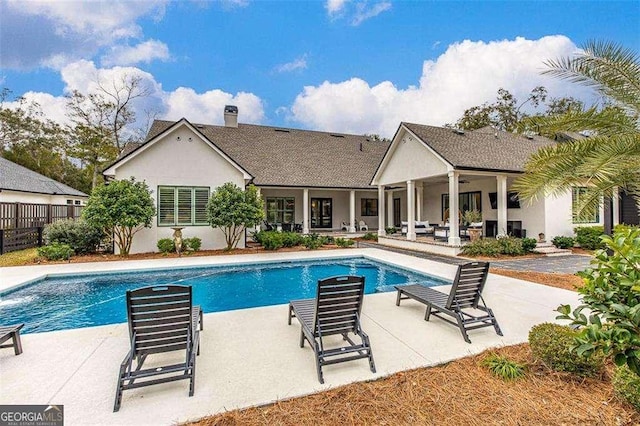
x: 344, y: 242
x: 370, y: 236
x: 554, y: 344
x: 483, y: 247
x: 77, y: 234
x: 563, y: 242
x: 291, y: 239
x: 588, y: 237
x: 327, y: 239
x: 627, y: 386
x: 511, y: 246
x: 55, y: 251
x: 257, y: 236
x: 312, y: 241
x: 528, y: 244
x: 503, y: 367
x: 271, y: 240
x: 390, y: 230
x: 192, y: 244
x: 166, y: 245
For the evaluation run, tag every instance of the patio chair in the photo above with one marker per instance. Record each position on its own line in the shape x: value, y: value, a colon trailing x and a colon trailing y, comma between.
x: 335, y: 310
x: 465, y: 294
x: 344, y: 226
x: 161, y: 319
x: 362, y: 226
x: 11, y: 332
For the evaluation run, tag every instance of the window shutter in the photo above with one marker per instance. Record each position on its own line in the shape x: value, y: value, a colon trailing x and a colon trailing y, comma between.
x: 185, y: 206
x: 201, y: 196
x: 166, y: 206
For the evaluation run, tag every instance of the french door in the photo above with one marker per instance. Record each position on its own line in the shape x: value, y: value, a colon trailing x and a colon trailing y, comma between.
x: 321, y: 213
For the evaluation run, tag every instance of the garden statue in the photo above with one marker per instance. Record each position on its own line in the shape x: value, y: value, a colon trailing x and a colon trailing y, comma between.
x: 177, y: 239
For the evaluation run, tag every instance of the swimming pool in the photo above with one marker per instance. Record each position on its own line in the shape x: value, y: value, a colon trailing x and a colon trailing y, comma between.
x: 75, y: 301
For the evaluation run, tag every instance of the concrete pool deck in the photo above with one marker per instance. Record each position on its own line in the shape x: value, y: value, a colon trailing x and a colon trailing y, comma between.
x: 250, y: 356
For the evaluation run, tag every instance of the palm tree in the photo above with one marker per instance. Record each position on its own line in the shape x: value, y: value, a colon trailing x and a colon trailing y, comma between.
x: 610, y: 157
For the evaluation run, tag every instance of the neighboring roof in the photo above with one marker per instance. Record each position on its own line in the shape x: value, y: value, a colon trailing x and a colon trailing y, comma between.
x: 14, y: 177
x: 291, y: 157
x: 481, y: 149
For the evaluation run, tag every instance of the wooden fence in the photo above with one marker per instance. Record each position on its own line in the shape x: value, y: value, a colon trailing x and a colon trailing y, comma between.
x: 18, y: 239
x: 27, y: 215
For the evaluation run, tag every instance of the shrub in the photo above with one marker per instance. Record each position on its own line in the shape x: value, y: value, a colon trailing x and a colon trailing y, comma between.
x: 510, y: 246
x: 563, y: 242
x: 312, y: 241
x: 77, y: 234
x: 271, y: 240
x: 554, y: 344
x: 291, y: 239
x: 503, y: 367
x: 483, y: 247
x: 327, y: 239
x: 166, y: 245
x: 528, y: 244
x: 56, y: 251
x: 193, y: 243
x: 627, y: 386
x: 390, y: 230
x: 370, y: 236
x: 257, y: 236
x: 344, y: 242
x: 589, y: 237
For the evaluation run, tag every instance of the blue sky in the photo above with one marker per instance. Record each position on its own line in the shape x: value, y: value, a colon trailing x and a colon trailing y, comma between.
x: 353, y: 66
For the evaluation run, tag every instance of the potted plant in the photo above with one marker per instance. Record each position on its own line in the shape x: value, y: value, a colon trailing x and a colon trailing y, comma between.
x: 471, y: 218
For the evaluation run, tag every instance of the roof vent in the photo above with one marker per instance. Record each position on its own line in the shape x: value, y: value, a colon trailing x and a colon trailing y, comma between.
x: 336, y: 135
x: 458, y: 131
x: 282, y: 130
x: 230, y: 116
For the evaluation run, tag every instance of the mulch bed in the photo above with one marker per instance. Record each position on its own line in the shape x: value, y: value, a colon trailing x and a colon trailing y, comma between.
x: 565, y: 281
x: 458, y: 393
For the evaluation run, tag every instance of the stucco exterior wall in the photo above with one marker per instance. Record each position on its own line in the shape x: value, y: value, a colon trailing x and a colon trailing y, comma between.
x: 186, y: 162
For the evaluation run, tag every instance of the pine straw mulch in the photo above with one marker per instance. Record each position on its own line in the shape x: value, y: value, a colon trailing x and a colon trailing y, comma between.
x: 458, y: 393
x: 565, y: 281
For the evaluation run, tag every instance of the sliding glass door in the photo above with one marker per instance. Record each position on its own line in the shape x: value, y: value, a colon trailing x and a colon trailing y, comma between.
x: 321, y: 213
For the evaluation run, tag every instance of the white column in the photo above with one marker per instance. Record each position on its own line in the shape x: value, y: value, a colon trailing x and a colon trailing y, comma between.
x: 305, y: 211
x: 454, y: 208
x: 264, y: 206
x: 352, y: 211
x: 390, y: 219
x: 381, y: 212
x: 502, y: 204
x: 615, y: 207
x: 411, y: 210
x: 419, y: 202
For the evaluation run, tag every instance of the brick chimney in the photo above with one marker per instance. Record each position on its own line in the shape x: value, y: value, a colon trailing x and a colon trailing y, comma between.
x: 230, y: 116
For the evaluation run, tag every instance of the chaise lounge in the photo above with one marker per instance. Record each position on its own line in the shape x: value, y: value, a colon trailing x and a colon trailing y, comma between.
x: 11, y: 332
x: 161, y: 319
x: 465, y: 294
x: 335, y: 310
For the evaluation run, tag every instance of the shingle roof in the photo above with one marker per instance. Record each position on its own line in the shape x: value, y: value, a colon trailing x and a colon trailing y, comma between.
x: 14, y: 177
x: 292, y: 157
x: 484, y: 149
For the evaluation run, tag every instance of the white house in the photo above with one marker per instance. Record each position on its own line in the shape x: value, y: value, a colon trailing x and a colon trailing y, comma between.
x: 319, y: 181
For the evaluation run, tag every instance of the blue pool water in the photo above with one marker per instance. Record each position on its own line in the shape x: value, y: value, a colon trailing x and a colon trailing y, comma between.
x: 75, y: 301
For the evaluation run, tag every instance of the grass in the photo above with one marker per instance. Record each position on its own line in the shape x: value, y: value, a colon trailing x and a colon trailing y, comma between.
x: 19, y: 258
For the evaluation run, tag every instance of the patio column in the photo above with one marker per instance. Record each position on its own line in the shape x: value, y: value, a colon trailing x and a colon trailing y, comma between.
x: 419, y: 202
x: 454, y: 208
x: 615, y: 207
x: 390, y: 219
x: 502, y: 204
x: 352, y: 211
x: 305, y: 211
x: 381, y: 232
x: 411, y: 210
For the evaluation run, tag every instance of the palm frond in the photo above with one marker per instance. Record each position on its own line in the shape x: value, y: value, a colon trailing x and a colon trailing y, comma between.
x: 607, y: 121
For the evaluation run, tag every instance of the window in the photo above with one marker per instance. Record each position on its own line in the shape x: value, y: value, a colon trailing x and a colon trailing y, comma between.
x: 513, y: 200
x: 466, y: 201
x: 586, y: 215
x: 76, y: 202
x: 182, y: 205
x: 69, y: 202
x: 281, y: 210
x: 369, y: 207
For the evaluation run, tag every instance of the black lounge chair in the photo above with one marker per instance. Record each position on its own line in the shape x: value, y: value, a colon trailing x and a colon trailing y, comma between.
x: 161, y: 319
x: 466, y: 293
x: 11, y: 332
x: 335, y: 310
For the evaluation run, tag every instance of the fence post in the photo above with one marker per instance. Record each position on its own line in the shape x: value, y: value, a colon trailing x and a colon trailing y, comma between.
x: 40, y: 228
x: 1, y: 241
x: 48, y: 213
x: 17, y: 224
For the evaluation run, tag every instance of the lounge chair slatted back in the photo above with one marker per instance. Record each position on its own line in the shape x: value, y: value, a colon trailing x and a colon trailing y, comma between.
x: 465, y: 294
x: 161, y: 319
x: 335, y: 310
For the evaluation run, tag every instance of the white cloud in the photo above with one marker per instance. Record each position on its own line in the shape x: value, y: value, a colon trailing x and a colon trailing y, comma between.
x: 130, y: 55
x: 335, y: 6
x: 207, y: 107
x: 363, y: 12
x: 467, y: 74
x: 299, y: 63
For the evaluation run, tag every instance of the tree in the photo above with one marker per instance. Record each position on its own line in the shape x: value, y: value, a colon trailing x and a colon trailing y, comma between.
x: 611, y: 294
x: 121, y: 208
x: 232, y: 210
x: 609, y: 158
